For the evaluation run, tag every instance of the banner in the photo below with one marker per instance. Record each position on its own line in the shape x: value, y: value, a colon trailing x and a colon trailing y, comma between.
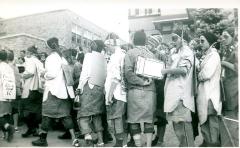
x: 9, y: 87
x: 149, y: 67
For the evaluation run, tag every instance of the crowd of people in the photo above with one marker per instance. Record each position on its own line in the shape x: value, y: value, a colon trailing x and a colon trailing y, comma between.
x: 91, y: 94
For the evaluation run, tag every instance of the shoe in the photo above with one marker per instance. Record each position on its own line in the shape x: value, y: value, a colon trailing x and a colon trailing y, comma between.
x: 131, y: 143
x: 100, y: 145
x: 66, y: 135
x: 107, y: 137
x: 42, y: 141
x: 76, y: 143
x: 10, y: 132
x: 155, y: 141
x: 29, y: 132
x: 16, y: 130
x: 89, y: 143
x: 119, y: 143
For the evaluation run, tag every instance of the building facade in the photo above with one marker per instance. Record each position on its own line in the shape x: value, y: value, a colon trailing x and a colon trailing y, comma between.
x: 71, y: 29
x: 156, y: 21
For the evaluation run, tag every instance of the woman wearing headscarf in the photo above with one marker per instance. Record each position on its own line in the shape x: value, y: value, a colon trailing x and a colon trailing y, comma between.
x: 141, y: 92
x: 154, y: 44
x: 55, y: 103
x: 178, y: 96
x: 31, y: 97
x: 209, y: 104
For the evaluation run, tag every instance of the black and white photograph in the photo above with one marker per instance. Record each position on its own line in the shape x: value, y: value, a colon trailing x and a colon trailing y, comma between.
x: 118, y: 74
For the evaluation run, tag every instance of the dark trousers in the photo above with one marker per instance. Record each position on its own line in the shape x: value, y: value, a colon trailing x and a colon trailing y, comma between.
x: 46, y: 123
x: 184, y: 133
x: 211, y: 131
x: 32, y: 120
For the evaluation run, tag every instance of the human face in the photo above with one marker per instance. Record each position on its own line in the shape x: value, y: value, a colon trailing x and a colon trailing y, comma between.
x: 226, y: 38
x: 28, y: 54
x: 176, y: 41
x: 22, y: 54
x: 204, y: 43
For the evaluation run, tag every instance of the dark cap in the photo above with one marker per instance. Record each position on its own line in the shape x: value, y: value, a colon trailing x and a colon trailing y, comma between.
x: 53, y: 43
x: 210, y: 37
x: 33, y: 49
x: 139, y: 38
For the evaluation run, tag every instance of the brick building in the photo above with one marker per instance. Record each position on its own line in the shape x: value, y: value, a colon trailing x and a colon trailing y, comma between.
x: 71, y: 29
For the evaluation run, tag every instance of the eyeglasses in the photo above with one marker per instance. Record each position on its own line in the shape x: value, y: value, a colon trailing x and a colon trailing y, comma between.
x: 202, y: 41
x: 174, y: 38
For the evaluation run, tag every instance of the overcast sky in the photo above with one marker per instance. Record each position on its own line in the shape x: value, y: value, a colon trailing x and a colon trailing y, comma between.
x: 113, y: 17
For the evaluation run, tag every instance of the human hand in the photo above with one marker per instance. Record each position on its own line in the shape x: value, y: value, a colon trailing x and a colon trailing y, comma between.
x: 78, y: 91
x: 147, y: 82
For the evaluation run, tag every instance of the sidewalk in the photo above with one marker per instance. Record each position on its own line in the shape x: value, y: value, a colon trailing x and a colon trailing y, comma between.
x: 170, y: 139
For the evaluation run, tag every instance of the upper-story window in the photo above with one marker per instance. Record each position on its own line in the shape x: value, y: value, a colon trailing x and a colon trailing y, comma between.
x: 149, y: 11
x: 146, y: 11
x: 137, y: 12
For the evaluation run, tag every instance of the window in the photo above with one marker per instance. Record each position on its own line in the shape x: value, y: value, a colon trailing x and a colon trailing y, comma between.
x: 74, y: 37
x: 136, y: 11
x: 146, y: 11
x: 149, y: 11
x: 159, y: 11
x: 78, y: 39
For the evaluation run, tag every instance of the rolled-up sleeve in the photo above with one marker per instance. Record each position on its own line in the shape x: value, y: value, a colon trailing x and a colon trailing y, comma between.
x: 131, y: 77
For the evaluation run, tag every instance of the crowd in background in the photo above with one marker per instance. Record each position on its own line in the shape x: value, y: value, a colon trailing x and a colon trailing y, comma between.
x: 95, y: 93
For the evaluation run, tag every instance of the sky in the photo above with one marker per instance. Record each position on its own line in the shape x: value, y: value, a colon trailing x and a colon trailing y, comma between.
x: 111, y: 15
x: 108, y: 17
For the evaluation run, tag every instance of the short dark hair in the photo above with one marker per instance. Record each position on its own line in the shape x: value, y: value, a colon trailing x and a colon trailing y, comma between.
x: 80, y: 57
x: 139, y: 38
x: 33, y: 49
x: 97, y: 45
x: 3, y: 55
x: 10, y: 55
x: 53, y: 43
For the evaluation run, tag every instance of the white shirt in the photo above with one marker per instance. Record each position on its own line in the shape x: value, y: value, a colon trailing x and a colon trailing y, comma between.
x: 35, y: 67
x: 55, y: 82
x: 114, y: 73
x: 94, y: 67
x: 210, y: 71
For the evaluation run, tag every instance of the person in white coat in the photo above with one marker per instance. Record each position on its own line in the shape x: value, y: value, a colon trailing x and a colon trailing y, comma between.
x: 209, y: 104
x: 7, y: 93
x: 31, y: 96
x: 56, y: 94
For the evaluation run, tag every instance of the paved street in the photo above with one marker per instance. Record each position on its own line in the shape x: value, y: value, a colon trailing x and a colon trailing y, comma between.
x: 170, y: 139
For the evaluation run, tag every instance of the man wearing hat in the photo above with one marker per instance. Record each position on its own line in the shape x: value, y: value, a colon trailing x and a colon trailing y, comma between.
x: 179, y: 99
x: 90, y: 89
